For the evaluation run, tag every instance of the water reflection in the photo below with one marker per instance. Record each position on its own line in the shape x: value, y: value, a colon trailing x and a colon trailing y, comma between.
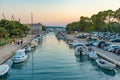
x: 107, y: 72
x: 81, y: 58
x: 53, y: 60
x: 19, y: 65
x: 4, y: 77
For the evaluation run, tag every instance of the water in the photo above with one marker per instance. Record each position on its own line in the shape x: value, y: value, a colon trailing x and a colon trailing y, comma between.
x: 54, y: 60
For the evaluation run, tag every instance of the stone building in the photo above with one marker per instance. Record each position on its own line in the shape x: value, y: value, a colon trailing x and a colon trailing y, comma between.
x: 35, y: 28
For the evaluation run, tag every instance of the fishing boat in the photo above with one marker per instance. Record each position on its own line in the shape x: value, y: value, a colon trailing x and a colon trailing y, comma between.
x: 4, y: 68
x: 20, y: 56
x: 92, y: 55
x: 105, y: 64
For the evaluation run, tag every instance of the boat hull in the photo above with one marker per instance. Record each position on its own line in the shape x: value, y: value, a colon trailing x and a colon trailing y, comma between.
x: 4, y: 69
x: 92, y: 55
x: 19, y: 60
x: 106, y: 65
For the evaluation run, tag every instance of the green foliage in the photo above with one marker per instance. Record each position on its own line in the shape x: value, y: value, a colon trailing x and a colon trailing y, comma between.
x: 14, y: 28
x: 102, y: 21
x: 43, y: 28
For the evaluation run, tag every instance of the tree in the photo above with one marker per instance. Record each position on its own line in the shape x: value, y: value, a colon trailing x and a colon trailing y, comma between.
x: 3, y: 32
x: 17, y: 32
x: 84, y: 22
x: 13, y: 26
x: 117, y: 16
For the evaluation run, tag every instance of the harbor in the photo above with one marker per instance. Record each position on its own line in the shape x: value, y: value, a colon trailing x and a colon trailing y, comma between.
x: 59, y: 40
x: 57, y: 61
x: 104, y: 54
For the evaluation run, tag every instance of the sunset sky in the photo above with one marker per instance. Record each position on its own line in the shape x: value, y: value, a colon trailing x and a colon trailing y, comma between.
x: 54, y: 12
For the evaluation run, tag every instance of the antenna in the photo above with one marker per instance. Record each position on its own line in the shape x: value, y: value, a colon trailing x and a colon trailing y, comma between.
x: 12, y: 18
x: 31, y: 18
x: 19, y: 19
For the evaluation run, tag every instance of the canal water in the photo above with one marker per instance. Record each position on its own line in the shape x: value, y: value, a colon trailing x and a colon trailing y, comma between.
x: 54, y: 60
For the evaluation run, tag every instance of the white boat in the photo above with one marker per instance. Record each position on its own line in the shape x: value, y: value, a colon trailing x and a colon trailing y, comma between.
x: 36, y: 39
x: 105, y: 64
x: 92, y: 55
x: 75, y: 43
x: 20, y: 56
x: 27, y: 48
x: 33, y: 43
x: 83, y: 50
x: 4, y: 69
x: 39, y: 37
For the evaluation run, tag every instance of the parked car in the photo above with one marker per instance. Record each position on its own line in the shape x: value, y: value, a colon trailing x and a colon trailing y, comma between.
x: 100, y: 43
x: 90, y: 43
x: 92, y: 39
x: 111, y: 47
x: 104, y: 46
x: 80, y: 36
x: 95, y: 43
x: 115, y: 40
x: 117, y: 51
x: 115, y: 48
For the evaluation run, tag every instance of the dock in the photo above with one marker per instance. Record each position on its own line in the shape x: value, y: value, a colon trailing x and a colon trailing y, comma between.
x: 8, y: 50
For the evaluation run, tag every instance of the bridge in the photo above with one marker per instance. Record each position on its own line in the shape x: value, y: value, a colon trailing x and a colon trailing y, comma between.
x: 55, y: 28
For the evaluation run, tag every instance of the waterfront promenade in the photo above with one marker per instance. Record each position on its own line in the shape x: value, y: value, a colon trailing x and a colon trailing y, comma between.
x: 112, y: 57
x: 9, y: 49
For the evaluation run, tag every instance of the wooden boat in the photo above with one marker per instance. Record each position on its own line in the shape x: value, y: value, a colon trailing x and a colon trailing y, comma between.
x: 105, y: 64
x: 4, y: 69
x: 20, y: 56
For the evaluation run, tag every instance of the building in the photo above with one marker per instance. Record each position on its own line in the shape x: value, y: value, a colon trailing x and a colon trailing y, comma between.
x: 35, y: 28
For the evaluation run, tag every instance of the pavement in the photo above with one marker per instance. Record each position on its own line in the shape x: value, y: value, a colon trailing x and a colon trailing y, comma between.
x: 112, y: 57
x: 8, y: 50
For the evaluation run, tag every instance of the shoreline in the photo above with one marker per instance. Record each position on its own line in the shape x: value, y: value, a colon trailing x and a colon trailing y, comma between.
x: 115, y: 61
x: 9, y: 49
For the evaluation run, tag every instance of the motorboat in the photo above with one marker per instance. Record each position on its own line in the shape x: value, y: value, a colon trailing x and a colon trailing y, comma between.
x: 20, y: 56
x: 27, y: 48
x: 33, y: 43
x: 80, y: 50
x: 36, y: 39
x: 75, y: 43
x: 39, y: 36
x: 4, y: 68
x: 105, y: 64
x: 92, y: 55
x: 18, y: 66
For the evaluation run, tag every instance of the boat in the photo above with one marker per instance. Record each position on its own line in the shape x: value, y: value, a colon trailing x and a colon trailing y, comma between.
x: 4, y: 68
x: 105, y: 64
x: 20, y: 56
x: 92, y: 55
x: 18, y: 66
x: 75, y: 43
x: 27, y: 48
x: 80, y: 50
x: 36, y: 39
x: 33, y: 43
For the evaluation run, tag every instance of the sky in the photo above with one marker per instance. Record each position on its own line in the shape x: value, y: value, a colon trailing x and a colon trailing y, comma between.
x: 54, y: 12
